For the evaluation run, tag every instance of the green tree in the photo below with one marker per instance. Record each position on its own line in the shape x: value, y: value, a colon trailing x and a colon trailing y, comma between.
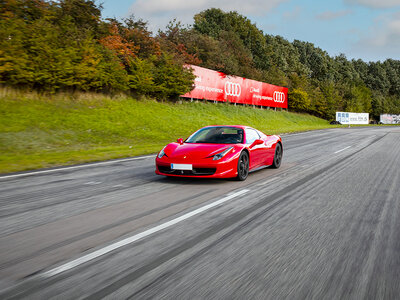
x: 170, y: 78
x: 141, y: 77
x: 299, y: 100
x: 84, y: 13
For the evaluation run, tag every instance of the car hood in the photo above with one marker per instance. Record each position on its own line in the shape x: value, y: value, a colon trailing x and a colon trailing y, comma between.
x: 194, y: 151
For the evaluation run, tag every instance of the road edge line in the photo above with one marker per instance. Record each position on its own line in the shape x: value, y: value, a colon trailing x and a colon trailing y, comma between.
x: 105, y: 250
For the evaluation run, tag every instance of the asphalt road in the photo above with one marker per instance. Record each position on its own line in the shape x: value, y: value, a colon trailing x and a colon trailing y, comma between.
x: 326, y: 225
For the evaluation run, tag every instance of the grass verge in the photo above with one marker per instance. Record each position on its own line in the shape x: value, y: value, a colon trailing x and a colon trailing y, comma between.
x: 39, y: 131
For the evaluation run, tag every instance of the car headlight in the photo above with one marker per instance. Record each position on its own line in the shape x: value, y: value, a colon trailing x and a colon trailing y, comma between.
x: 162, y: 153
x: 222, y: 154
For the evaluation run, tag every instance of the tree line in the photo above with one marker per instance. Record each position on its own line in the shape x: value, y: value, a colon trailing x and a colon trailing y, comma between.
x: 67, y: 45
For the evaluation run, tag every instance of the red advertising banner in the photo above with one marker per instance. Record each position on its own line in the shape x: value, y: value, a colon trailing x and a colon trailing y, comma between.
x: 217, y: 86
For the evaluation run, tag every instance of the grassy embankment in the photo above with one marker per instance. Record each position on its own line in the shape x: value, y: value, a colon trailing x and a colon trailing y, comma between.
x: 43, y: 131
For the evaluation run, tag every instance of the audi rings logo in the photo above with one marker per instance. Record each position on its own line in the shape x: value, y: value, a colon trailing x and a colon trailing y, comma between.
x: 279, y: 97
x: 232, y: 89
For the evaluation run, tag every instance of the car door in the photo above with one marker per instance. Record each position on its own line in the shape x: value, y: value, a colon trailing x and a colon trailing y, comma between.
x: 256, y: 151
x: 269, y: 150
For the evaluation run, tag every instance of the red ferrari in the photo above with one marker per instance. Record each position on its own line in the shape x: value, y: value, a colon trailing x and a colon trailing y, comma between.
x: 220, y: 152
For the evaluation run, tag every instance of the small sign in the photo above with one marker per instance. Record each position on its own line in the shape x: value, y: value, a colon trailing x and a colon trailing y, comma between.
x: 348, y: 118
x: 390, y: 119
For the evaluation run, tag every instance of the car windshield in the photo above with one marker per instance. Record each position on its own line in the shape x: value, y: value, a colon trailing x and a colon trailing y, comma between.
x: 217, y: 135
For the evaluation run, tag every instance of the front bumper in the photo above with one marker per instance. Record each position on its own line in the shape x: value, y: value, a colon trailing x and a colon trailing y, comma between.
x: 214, y: 169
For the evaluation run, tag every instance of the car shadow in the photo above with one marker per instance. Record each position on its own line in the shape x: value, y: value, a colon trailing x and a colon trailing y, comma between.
x: 194, y: 180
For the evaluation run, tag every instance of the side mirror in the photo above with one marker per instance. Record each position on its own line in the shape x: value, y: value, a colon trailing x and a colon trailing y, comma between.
x: 180, y: 141
x: 257, y: 142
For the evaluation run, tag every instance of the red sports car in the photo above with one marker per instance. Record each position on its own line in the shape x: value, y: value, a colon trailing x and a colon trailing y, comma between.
x: 220, y: 152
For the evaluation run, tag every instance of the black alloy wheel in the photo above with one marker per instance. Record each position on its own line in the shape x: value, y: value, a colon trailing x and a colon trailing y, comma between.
x: 243, y: 166
x: 278, y: 156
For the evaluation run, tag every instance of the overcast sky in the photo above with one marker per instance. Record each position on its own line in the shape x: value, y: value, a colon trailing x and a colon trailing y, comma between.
x: 366, y: 29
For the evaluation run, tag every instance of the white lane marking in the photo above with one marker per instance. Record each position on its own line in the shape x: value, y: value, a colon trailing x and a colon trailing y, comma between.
x: 92, y: 182
x: 342, y: 149
x: 75, y: 167
x: 118, y: 185
x: 136, y: 237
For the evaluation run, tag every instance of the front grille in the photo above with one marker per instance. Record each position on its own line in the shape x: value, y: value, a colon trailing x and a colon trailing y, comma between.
x: 204, y: 171
x: 164, y: 169
x: 194, y: 172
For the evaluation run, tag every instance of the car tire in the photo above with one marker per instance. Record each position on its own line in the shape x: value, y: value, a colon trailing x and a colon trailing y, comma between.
x: 278, y: 156
x: 243, y: 166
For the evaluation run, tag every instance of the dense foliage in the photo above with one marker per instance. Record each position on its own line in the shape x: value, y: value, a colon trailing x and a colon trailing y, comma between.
x: 66, y: 45
x: 318, y: 83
